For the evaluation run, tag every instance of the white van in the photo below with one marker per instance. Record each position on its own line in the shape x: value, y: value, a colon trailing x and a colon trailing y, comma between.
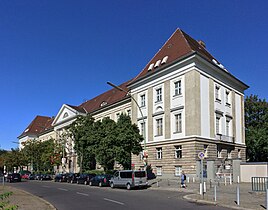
x: 129, y: 179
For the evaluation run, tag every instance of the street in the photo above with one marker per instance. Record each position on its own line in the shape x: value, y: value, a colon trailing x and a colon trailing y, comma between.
x: 66, y: 196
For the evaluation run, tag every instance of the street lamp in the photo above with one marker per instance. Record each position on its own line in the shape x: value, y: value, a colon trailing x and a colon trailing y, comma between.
x: 143, y: 121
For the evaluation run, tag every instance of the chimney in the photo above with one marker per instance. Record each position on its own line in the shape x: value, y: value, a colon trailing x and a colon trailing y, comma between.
x: 202, y: 43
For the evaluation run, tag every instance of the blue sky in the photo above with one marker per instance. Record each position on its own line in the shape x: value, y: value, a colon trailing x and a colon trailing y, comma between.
x: 56, y: 52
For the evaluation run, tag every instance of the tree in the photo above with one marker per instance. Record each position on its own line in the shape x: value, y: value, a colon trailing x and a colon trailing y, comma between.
x: 106, y: 135
x: 83, y: 133
x: 128, y: 141
x: 256, y: 123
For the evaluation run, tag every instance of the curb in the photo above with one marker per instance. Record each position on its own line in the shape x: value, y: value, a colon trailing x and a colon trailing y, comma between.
x: 187, y: 197
x: 43, y: 200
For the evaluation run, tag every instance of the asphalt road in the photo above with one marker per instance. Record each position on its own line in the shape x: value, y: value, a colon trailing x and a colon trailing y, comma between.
x: 66, y: 196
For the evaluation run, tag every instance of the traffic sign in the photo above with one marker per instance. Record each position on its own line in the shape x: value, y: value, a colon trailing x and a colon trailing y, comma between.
x: 201, y: 155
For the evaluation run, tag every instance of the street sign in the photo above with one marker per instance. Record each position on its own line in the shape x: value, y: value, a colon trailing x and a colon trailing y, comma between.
x: 201, y: 155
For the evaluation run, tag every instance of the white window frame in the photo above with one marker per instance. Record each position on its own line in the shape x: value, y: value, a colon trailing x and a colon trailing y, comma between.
x: 159, y: 170
x: 217, y: 93
x: 178, y: 122
x: 159, y: 154
x: 178, y: 170
x: 143, y: 100
x: 159, y: 126
x: 227, y: 98
x: 206, y: 150
x: 178, y: 150
x: 219, y: 151
x: 218, y: 124
x: 177, y: 88
x: 159, y: 94
x: 227, y: 127
x: 143, y: 128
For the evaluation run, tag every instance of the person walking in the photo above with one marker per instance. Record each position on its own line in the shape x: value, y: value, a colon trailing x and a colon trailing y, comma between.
x: 183, y: 180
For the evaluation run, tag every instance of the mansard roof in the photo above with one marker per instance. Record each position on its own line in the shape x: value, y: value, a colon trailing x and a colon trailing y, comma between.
x: 39, y: 125
x: 176, y: 47
x: 105, y: 99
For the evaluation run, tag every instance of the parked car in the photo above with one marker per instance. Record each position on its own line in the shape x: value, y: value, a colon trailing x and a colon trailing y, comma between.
x: 61, y: 177
x: 42, y: 177
x: 72, y: 177
x: 31, y: 177
x: 100, y: 180
x: 14, y: 177
x: 84, y: 178
x: 129, y: 179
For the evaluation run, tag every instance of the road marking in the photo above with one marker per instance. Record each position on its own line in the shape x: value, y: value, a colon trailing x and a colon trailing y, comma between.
x: 62, y: 189
x: 46, y: 186
x: 113, y: 201
x: 81, y: 193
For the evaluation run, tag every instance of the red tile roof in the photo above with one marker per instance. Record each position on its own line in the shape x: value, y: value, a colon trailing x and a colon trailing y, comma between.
x: 39, y: 125
x: 109, y: 97
x: 177, y: 46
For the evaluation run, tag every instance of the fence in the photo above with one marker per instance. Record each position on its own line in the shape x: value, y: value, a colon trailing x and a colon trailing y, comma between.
x: 259, y: 183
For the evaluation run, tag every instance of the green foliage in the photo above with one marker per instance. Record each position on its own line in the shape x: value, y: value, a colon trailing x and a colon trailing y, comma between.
x: 256, y: 123
x: 128, y: 141
x: 4, y: 203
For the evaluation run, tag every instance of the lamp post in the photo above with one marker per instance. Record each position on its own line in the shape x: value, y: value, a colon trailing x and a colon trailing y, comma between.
x: 143, y: 121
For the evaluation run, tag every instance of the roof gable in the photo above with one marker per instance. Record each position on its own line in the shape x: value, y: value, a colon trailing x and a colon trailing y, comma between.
x: 38, y: 125
x: 177, y: 46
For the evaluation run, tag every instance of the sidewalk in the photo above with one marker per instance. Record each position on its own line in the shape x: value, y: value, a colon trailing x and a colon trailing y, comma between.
x: 25, y: 200
x: 226, y: 195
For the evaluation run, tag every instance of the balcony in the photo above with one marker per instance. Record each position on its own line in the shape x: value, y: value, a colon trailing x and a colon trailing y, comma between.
x: 225, y: 138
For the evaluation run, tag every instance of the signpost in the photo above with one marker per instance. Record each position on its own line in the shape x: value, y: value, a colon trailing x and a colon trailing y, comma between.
x: 201, y: 156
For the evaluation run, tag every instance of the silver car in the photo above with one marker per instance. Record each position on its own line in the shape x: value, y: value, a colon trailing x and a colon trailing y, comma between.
x: 129, y: 179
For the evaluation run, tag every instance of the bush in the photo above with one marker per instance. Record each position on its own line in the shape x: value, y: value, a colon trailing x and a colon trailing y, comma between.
x: 4, y: 203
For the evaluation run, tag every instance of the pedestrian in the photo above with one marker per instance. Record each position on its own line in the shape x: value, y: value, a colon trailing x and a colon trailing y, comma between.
x: 183, y: 180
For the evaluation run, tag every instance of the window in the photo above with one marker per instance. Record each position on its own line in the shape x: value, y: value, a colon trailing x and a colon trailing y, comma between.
x: 229, y: 154
x: 129, y: 112
x: 206, y: 150
x: 143, y: 100
x: 142, y: 128
x: 158, y: 94
x: 178, y: 152
x: 159, y: 127
x: 117, y: 116
x: 177, y: 88
x: 178, y: 123
x: 218, y: 118
x: 218, y: 152
x: 239, y: 153
x: 65, y: 115
x: 178, y: 170
x: 159, y: 170
x: 227, y: 127
x: 159, y: 153
x: 217, y: 93
x: 227, y: 94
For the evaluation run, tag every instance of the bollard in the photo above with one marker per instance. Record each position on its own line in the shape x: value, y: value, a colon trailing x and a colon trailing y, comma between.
x: 193, y: 180
x: 188, y: 179
x: 215, y: 193
x: 210, y: 184
x: 230, y: 179
x: 238, y: 179
x: 224, y: 179
x: 157, y: 183
x: 237, y: 195
x: 200, y: 187
x: 205, y: 187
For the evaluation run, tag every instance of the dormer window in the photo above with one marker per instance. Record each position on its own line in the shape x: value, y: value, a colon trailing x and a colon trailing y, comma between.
x: 103, y: 103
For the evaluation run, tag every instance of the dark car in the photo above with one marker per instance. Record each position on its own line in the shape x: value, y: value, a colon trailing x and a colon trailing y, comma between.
x: 72, y: 177
x: 84, y: 178
x: 14, y: 177
x: 61, y: 177
x: 100, y: 180
x: 31, y: 177
x: 44, y: 177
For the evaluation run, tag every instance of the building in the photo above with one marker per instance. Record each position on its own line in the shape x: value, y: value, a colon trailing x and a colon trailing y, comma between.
x: 190, y: 103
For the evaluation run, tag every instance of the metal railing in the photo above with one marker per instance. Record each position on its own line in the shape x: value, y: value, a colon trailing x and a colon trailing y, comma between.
x: 225, y: 138
x: 259, y: 183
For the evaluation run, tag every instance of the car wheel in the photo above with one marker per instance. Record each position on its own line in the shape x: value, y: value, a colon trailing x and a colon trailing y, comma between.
x: 128, y: 186
x: 112, y: 185
x: 90, y: 183
x: 100, y: 184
